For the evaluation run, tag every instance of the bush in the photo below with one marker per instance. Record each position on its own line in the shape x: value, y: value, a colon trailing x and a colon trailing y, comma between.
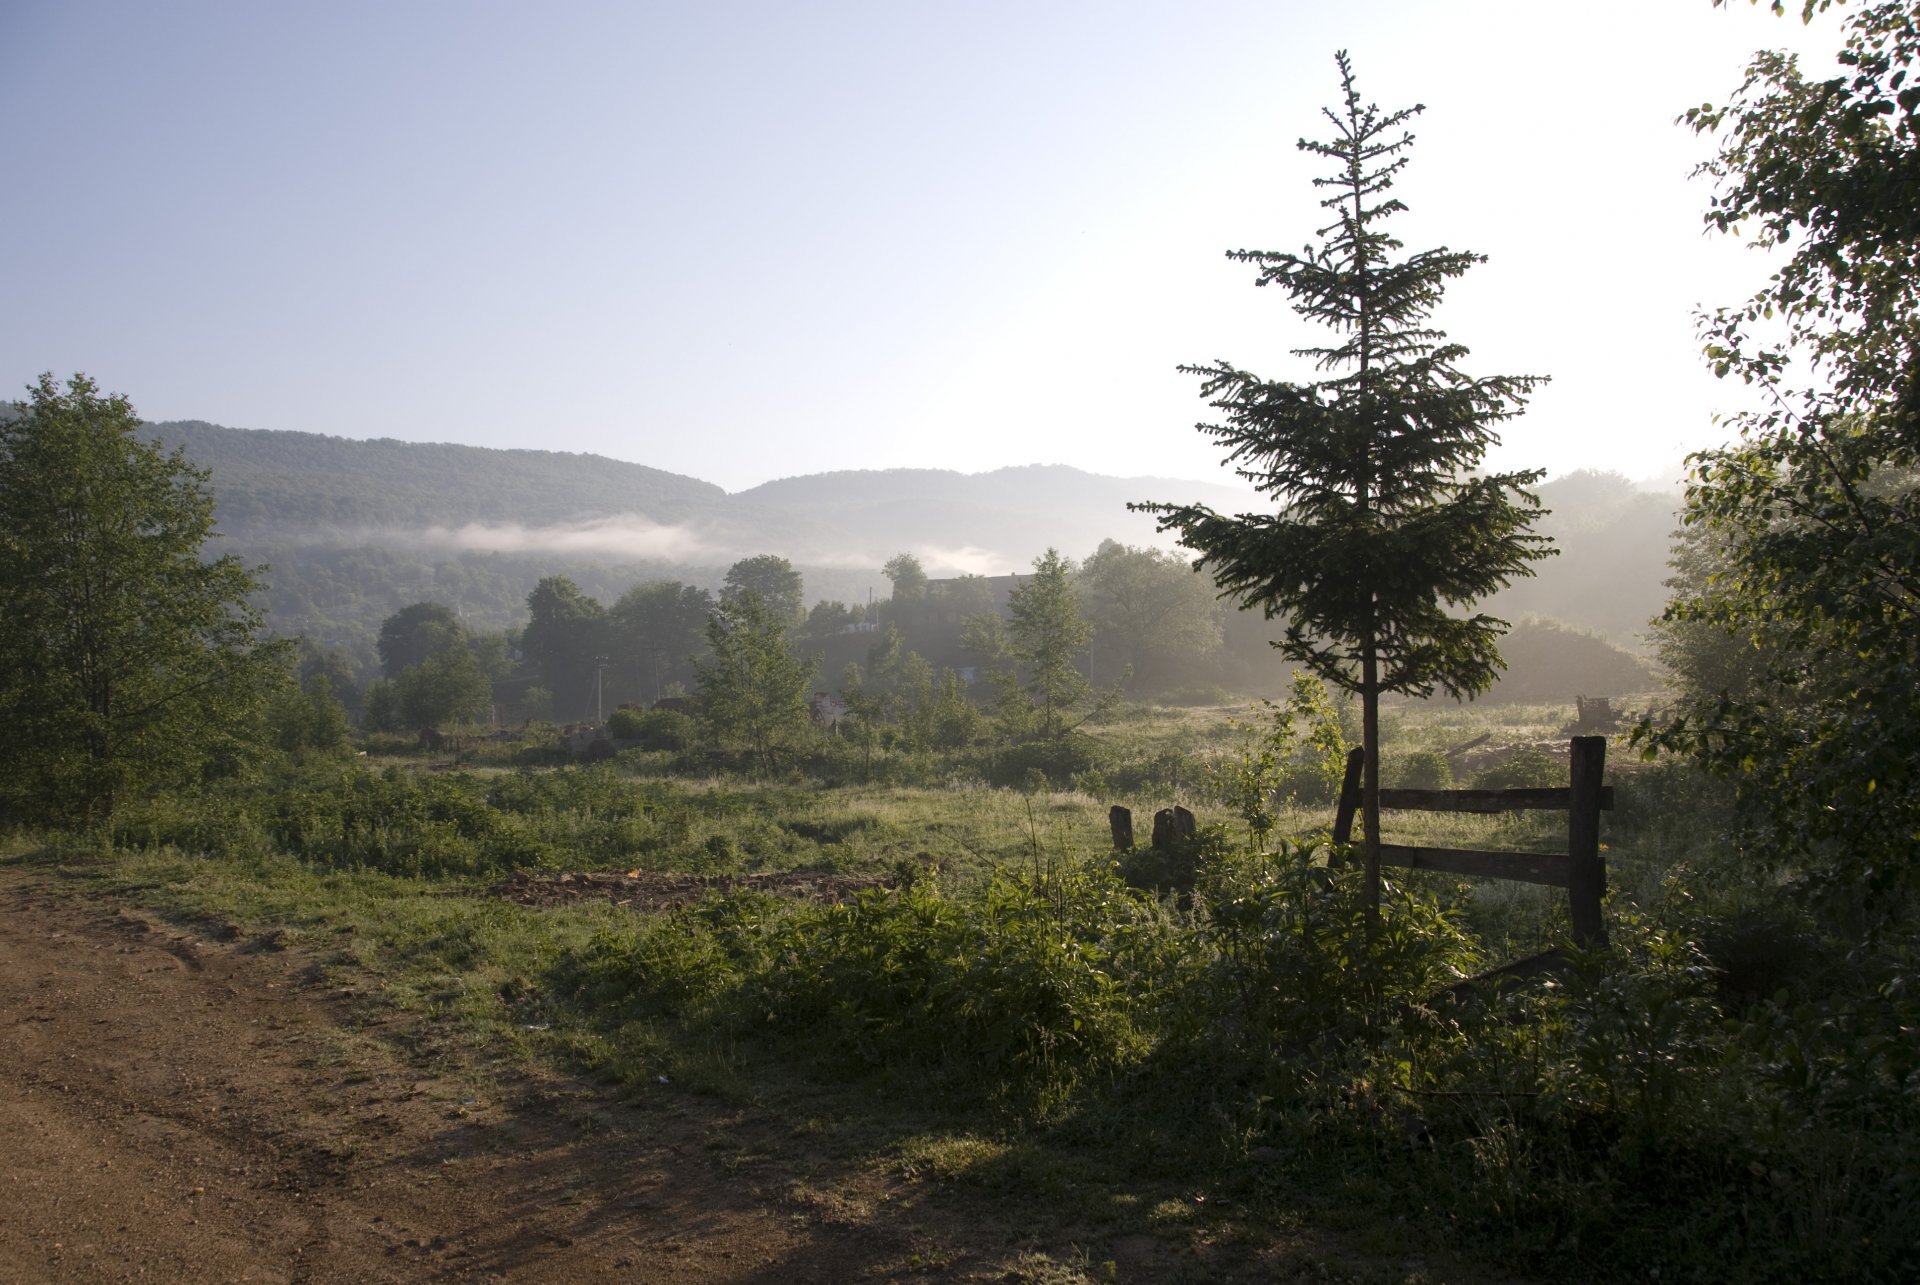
x: 1000, y: 1000
x: 626, y: 723
x: 1423, y: 770
x: 1527, y: 769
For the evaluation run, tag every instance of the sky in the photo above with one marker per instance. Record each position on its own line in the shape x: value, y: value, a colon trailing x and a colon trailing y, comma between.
x: 747, y: 240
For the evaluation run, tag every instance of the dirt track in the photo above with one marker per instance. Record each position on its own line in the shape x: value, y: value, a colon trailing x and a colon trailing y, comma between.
x: 179, y: 1109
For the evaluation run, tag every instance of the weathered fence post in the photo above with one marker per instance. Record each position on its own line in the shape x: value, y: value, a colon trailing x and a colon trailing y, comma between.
x: 1349, y: 797
x: 1171, y: 825
x: 1587, y: 869
x: 1120, y: 821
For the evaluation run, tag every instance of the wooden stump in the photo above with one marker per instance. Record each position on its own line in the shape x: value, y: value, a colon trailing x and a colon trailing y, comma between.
x: 1120, y: 821
x: 1172, y: 825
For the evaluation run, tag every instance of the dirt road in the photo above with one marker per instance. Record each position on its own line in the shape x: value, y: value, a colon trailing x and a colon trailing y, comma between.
x: 179, y: 1108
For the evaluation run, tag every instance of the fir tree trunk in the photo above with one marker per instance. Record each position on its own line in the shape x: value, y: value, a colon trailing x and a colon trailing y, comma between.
x: 1370, y: 781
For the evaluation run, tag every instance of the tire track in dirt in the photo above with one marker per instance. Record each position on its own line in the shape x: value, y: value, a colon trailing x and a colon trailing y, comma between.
x: 178, y: 1109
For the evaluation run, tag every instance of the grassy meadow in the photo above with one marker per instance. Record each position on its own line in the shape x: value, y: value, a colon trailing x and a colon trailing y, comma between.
x: 975, y: 990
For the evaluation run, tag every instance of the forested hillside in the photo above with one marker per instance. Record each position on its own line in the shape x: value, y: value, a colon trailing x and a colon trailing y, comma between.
x: 354, y: 530
x: 309, y: 486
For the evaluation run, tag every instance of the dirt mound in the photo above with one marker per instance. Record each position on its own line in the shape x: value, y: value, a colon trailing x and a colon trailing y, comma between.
x: 668, y: 890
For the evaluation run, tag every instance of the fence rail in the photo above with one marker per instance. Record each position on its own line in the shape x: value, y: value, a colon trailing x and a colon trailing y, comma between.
x: 1581, y: 870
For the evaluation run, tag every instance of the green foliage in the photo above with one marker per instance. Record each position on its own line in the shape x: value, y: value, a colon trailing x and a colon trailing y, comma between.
x: 308, y: 719
x: 1154, y: 618
x: 625, y: 724
x: 1297, y: 755
x: 1806, y: 532
x: 658, y: 729
x: 565, y: 642
x: 1383, y: 524
x: 449, y: 687
x: 415, y: 634
x: 1048, y: 635
x: 1382, y: 521
x: 1033, y: 657
x: 128, y: 662
x: 752, y: 689
x: 1422, y: 770
x: 1523, y: 770
x: 1011, y: 999
x: 658, y: 629
x: 909, y: 580
x: 1291, y: 964
x: 897, y: 702
x: 771, y: 579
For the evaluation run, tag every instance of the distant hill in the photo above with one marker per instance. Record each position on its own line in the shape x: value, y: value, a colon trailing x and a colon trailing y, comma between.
x: 1610, y: 572
x: 354, y: 530
x: 285, y: 488
x: 984, y: 523
x: 274, y: 484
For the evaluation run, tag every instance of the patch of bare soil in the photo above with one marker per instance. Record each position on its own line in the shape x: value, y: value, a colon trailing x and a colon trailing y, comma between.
x: 187, y: 1105
x: 177, y: 1108
x: 668, y: 890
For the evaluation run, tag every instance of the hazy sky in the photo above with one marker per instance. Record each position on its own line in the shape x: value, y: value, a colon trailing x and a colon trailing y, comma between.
x: 749, y: 240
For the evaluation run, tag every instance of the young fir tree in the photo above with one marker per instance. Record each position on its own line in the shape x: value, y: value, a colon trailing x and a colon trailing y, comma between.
x: 1383, y: 532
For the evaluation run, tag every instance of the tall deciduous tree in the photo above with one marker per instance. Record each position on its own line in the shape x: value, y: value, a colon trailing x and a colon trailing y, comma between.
x: 1382, y: 532
x: 412, y: 634
x: 1153, y: 618
x: 566, y: 642
x: 659, y: 628
x: 752, y: 689
x: 773, y: 580
x: 128, y: 660
x: 1810, y: 522
x: 1049, y: 639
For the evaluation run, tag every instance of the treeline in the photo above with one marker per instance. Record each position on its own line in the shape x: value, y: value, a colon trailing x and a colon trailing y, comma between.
x: 1141, y: 623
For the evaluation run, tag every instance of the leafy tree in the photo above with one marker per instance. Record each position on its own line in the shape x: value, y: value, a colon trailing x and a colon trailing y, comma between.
x: 448, y: 688
x: 412, y: 634
x: 773, y: 580
x: 900, y: 693
x: 128, y: 660
x: 1048, y: 637
x: 307, y: 718
x: 381, y: 711
x: 565, y: 641
x: 660, y: 627
x: 1809, y: 524
x: 751, y: 688
x: 950, y: 603
x: 1382, y: 529
x: 336, y: 667
x: 907, y: 605
x: 827, y: 619
x: 1153, y: 618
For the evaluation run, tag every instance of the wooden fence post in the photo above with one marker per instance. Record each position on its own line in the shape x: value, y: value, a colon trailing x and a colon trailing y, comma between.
x: 1349, y: 797
x: 1120, y: 821
x: 1587, y: 869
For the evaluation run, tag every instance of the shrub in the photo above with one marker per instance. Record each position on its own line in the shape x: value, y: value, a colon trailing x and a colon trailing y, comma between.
x: 1423, y: 770
x: 998, y: 1000
x: 1526, y: 769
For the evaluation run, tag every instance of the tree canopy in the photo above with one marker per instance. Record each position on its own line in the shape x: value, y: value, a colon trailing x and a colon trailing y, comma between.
x: 1803, y: 544
x: 128, y: 659
x: 413, y: 634
x: 773, y: 580
x: 752, y: 689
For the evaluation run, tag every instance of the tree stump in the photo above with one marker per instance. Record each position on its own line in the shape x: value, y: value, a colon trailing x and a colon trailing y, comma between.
x: 1171, y: 825
x: 1120, y: 821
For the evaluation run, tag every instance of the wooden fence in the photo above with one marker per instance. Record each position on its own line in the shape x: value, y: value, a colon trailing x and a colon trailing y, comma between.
x: 1581, y: 870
